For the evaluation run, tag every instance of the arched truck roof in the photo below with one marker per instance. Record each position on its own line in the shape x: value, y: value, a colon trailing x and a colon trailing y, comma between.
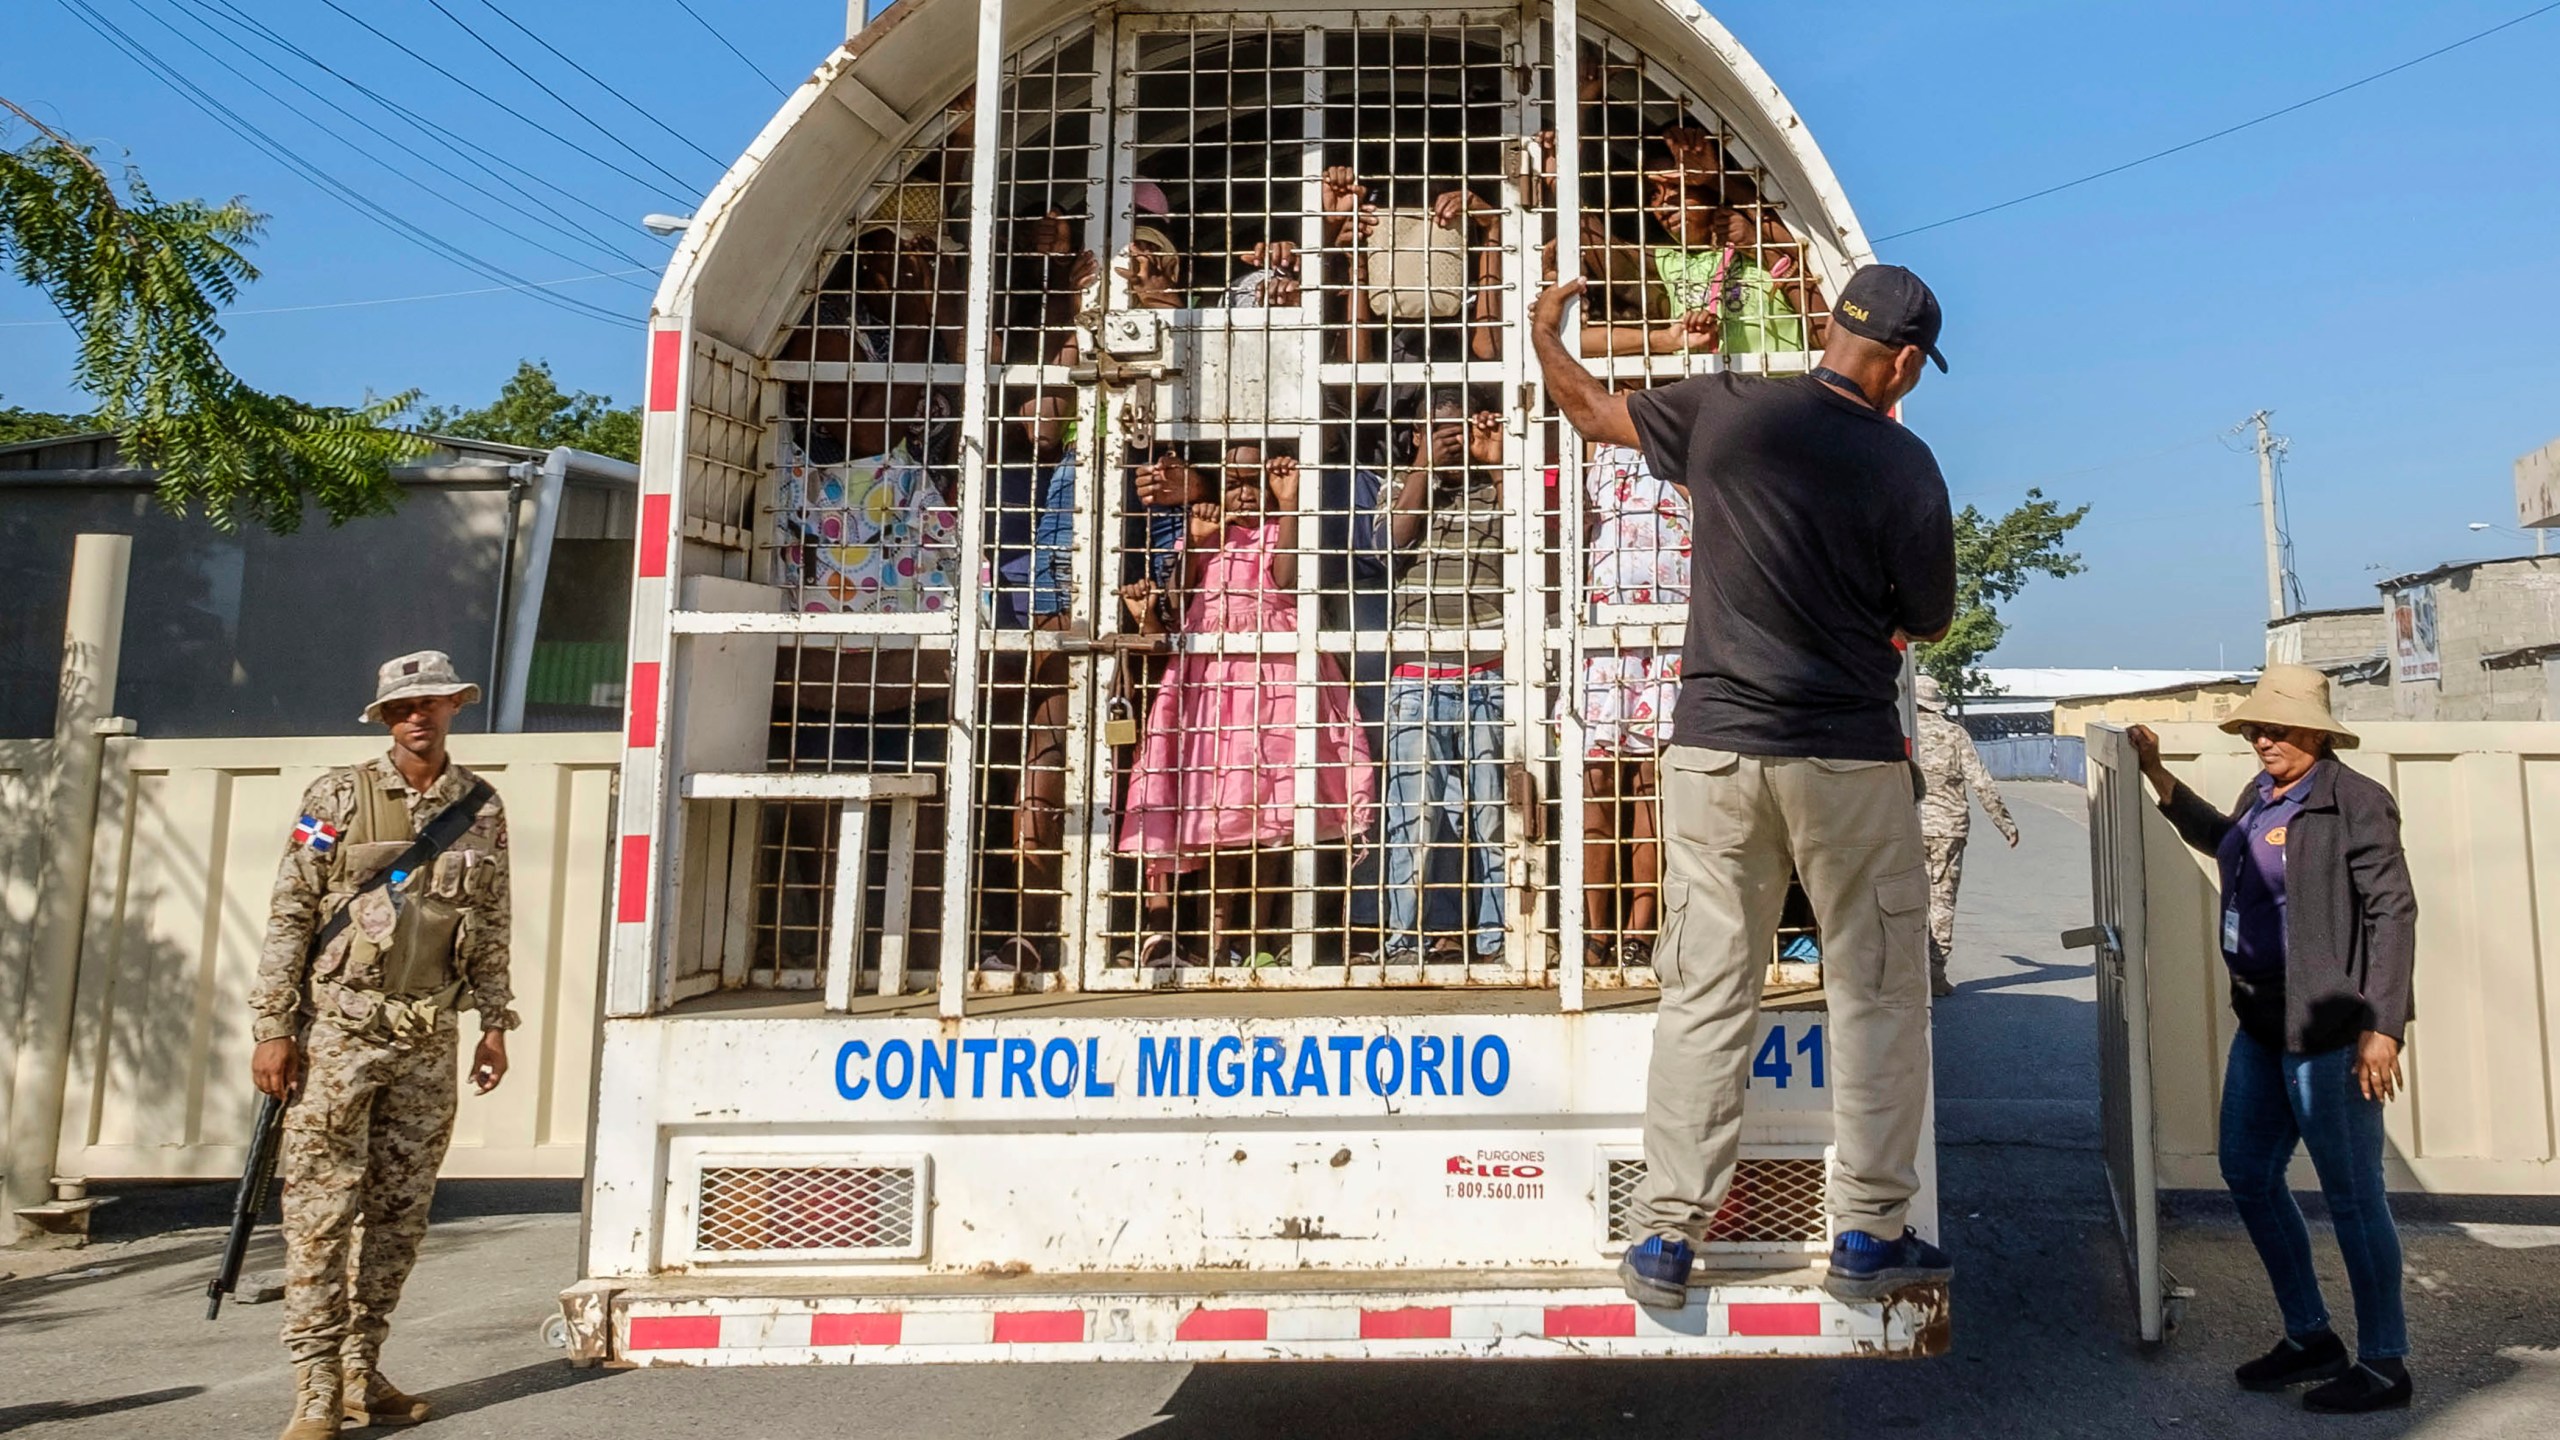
x: 741, y: 271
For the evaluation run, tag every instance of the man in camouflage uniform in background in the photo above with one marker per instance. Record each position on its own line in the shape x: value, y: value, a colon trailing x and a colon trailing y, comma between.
x: 1948, y: 765
x: 371, y: 1079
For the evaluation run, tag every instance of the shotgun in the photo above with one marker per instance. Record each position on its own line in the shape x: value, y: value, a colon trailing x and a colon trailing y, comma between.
x: 265, y: 1139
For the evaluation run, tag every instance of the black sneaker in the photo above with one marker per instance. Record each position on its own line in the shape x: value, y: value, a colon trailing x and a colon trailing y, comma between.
x: 2367, y: 1385
x: 2295, y: 1362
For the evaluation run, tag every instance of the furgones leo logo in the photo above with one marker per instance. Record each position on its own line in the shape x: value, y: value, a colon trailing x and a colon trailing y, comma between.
x: 1483, y: 1167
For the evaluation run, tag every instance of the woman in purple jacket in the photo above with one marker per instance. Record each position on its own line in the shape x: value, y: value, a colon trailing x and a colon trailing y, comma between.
x: 2319, y: 929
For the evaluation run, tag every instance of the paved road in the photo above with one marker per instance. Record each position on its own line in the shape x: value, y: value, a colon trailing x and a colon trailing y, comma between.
x: 2043, y: 1333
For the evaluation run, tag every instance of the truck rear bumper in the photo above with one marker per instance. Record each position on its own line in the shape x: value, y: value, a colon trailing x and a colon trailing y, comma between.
x: 1212, y: 1317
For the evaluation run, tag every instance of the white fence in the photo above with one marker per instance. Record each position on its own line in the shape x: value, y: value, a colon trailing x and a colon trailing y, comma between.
x: 188, y: 836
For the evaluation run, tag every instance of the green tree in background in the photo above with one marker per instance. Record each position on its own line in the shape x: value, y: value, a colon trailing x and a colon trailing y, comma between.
x: 1995, y: 558
x: 533, y: 410
x: 142, y: 282
x: 17, y: 425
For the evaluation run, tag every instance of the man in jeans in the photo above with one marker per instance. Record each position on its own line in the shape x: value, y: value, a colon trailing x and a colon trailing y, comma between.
x: 1444, y: 524
x: 1822, y: 536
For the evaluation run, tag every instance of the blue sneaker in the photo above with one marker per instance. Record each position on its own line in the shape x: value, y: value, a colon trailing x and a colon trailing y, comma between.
x: 1656, y: 1272
x: 1866, y: 1268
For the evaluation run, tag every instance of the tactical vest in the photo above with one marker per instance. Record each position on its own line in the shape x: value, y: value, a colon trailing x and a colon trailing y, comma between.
x: 405, y: 932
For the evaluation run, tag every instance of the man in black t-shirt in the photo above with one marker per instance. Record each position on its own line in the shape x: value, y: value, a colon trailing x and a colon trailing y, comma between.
x: 1821, y: 545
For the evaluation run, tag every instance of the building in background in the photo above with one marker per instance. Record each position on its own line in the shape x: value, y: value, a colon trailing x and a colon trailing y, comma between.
x: 515, y: 561
x: 2030, y: 700
x: 2210, y: 701
x: 2473, y: 640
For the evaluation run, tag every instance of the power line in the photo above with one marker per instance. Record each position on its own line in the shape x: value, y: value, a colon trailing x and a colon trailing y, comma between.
x: 267, y: 144
x: 307, y: 118
x: 2096, y: 175
x: 391, y: 299
x: 230, y: 13
x: 537, y: 83
x: 369, y: 28
x: 732, y: 49
x: 635, y: 106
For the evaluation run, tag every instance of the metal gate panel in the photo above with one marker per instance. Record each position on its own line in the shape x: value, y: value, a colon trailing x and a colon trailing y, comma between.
x: 2119, y: 904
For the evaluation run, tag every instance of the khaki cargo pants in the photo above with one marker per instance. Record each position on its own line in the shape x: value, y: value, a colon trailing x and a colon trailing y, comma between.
x: 1732, y: 826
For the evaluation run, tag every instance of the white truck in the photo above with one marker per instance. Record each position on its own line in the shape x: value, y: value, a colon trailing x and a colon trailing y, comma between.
x: 969, y: 997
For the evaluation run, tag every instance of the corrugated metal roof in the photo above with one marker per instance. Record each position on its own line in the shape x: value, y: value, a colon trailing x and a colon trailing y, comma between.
x: 2040, y: 683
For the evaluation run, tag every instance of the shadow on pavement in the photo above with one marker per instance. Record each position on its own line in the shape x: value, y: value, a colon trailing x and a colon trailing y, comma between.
x: 144, y: 1208
x: 540, y: 1378
x: 43, y: 1411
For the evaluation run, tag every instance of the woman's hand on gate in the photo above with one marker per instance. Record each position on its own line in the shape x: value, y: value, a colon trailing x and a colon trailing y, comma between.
x: 2146, y: 745
x: 275, y: 1067
x: 2378, y: 1066
x: 2146, y: 757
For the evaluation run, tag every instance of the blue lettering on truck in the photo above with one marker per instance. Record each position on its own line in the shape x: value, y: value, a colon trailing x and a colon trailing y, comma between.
x: 1178, y: 1066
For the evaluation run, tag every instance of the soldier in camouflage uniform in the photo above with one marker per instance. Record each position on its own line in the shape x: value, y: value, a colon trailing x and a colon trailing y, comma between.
x: 362, y: 1037
x: 1949, y: 764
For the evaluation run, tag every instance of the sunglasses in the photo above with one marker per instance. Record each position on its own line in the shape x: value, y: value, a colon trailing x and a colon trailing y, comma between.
x: 2254, y: 733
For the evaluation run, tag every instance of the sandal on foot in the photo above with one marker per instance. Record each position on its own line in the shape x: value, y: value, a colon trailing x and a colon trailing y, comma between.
x: 1159, y: 950
x: 1013, y: 954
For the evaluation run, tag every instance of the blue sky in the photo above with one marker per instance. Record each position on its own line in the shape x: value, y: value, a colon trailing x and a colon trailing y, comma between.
x: 2377, y: 270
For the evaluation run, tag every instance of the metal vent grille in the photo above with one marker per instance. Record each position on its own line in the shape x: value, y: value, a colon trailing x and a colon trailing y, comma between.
x: 748, y: 1209
x: 1774, y: 1201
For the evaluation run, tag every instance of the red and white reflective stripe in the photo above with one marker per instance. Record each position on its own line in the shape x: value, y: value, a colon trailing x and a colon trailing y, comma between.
x: 656, y: 544
x: 802, y: 1329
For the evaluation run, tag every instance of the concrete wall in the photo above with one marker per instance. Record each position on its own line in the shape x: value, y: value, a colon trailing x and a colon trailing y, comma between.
x: 2480, y: 819
x: 2321, y: 636
x: 2362, y: 702
x: 189, y: 832
x: 2483, y: 610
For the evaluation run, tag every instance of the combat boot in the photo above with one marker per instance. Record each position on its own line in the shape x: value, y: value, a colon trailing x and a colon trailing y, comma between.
x: 372, y: 1400
x: 317, y: 1387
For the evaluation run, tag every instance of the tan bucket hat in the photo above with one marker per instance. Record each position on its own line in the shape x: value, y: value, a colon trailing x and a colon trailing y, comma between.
x: 2294, y: 695
x: 1926, y: 694
x: 423, y: 672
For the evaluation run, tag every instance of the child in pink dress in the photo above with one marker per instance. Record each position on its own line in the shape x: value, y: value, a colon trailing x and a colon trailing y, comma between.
x: 1215, y: 779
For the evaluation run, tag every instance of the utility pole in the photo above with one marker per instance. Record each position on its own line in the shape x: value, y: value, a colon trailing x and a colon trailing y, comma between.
x: 2267, y: 446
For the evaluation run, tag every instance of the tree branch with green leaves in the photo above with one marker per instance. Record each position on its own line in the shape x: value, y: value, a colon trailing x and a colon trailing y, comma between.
x: 1995, y: 558
x: 532, y: 410
x: 142, y: 283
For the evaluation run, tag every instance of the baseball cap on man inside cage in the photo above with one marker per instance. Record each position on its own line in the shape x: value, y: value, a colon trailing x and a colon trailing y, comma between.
x: 1891, y: 306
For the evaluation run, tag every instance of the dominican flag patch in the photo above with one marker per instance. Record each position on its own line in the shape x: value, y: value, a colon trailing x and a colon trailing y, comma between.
x: 320, y: 835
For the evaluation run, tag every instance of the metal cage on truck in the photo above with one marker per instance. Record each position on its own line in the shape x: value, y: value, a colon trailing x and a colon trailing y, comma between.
x: 940, y: 1024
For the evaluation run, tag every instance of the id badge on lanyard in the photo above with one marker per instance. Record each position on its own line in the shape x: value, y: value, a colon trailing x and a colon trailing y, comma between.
x: 2230, y: 928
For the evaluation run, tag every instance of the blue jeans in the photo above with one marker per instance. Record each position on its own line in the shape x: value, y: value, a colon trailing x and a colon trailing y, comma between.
x: 1444, y: 759
x: 2270, y: 1100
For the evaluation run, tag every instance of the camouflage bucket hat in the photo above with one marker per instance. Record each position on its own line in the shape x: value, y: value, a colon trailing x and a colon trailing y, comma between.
x: 424, y: 672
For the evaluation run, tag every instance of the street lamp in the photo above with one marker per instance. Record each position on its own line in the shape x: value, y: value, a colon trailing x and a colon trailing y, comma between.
x: 2540, y: 536
x: 657, y: 224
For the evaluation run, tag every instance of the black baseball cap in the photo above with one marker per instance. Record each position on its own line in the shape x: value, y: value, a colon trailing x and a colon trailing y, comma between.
x: 1891, y: 306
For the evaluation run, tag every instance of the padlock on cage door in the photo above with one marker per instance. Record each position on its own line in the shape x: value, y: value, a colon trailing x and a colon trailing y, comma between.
x: 1119, y: 724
